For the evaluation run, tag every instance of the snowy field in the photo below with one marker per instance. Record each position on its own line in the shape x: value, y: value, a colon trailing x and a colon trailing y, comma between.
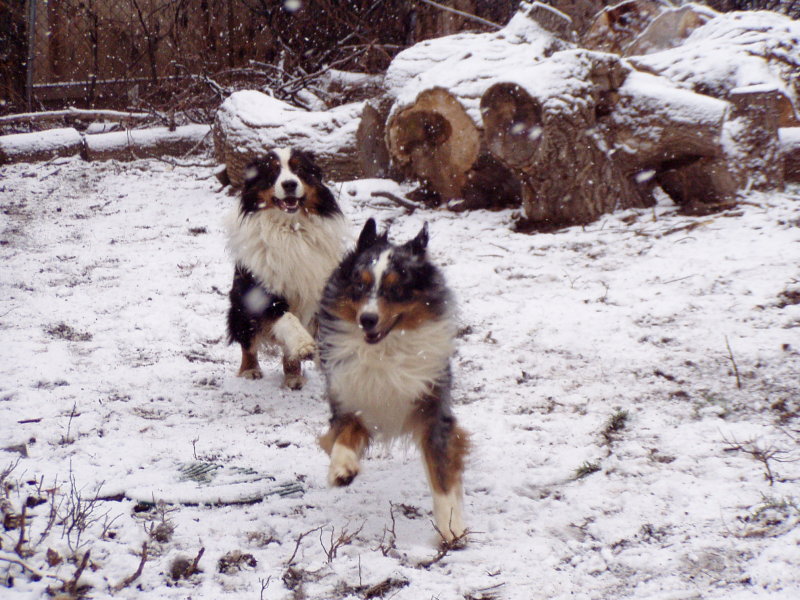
x: 631, y: 388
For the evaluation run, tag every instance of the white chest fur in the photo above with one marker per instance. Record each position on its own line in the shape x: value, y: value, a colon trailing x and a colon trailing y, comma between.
x: 292, y: 255
x: 381, y: 382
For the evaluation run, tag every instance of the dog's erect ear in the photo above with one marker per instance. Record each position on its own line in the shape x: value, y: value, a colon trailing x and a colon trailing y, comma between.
x: 420, y: 243
x: 368, y: 237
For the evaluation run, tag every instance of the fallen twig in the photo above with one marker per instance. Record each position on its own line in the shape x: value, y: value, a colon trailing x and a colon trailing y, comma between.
x: 397, y: 200
x: 193, y: 568
x: 32, y: 570
x: 297, y: 544
x: 444, y: 548
x: 733, y: 362
x: 129, y: 580
x: 71, y: 586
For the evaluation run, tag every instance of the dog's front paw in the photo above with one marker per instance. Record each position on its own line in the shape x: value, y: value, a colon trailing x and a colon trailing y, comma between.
x: 307, y: 350
x: 294, y: 381
x: 344, y: 466
x: 254, y: 373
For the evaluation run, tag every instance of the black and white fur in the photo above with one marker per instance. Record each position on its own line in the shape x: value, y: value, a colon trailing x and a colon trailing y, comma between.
x: 387, y: 329
x: 286, y: 236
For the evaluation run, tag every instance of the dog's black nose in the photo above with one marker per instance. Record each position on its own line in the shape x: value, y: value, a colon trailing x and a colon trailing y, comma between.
x: 290, y: 186
x: 368, y: 321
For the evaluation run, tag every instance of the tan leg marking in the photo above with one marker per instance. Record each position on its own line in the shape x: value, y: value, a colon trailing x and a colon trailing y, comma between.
x: 350, y: 440
x: 444, y: 467
x: 250, y: 368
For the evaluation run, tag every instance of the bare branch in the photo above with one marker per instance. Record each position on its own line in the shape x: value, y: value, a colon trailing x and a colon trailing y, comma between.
x: 32, y: 570
x: 397, y: 200
x: 297, y: 544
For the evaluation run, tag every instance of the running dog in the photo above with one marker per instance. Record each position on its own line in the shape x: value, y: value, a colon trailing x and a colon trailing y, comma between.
x: 286, y: 237
x: 387, y: 328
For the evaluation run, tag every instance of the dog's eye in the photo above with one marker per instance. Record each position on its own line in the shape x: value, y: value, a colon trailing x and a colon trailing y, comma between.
x: 394, y: 293
x: 361, y: 283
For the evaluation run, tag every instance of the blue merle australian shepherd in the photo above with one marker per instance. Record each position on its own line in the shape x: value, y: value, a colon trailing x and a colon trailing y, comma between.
x: 386, y: 336
x: 286, y: 236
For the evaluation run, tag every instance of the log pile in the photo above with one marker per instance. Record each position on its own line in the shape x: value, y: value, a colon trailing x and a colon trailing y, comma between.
x: 567, y: 118
x: 584, y: 132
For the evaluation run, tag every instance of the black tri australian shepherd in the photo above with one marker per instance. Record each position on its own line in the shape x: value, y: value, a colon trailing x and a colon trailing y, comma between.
x: 286, y: 236
x: 386, y: 335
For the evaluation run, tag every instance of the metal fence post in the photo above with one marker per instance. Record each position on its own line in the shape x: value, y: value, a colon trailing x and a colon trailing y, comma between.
x: 31, y: 54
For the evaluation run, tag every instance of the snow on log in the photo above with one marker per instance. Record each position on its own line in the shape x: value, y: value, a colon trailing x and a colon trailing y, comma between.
x: 757, y: 47
x: 434, y: 127
x: 653, y: 122
x: 40, y: 145
x: 249, y: 123
x: 790, y: 148
x: 546, y: 123
x: 669, y: 29
x: 615, y: 27
x: 132, y: 144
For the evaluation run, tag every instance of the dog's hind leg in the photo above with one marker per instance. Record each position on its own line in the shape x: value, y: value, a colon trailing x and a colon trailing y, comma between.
x: 252, y: 308
x: 345, y: 442
x: 444, y: 446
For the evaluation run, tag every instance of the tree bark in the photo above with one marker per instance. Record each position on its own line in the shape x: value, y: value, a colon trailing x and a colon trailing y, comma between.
x: 790, y: 148
x: 557, y: 144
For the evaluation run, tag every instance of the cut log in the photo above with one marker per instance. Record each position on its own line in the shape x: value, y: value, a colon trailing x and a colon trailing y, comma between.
x: 249, y: 123
x: 759, y: 48
x: 790, y: 149
x: 750, y: 157
x: 145, y: 143
x: 553, y: 20
x: 653, y: 122
x: 40, y: 145
x: 582, y: 13
x: 756, y: 156
x: 433, y: 130
x: 615, y: 27
x: 371, y: 138
x: 669, y: 29
x: 549, y: 132
x: 435, y: 140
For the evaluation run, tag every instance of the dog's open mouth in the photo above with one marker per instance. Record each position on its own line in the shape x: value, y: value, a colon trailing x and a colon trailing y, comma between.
x: 375, y: 336
x: 289, y: 204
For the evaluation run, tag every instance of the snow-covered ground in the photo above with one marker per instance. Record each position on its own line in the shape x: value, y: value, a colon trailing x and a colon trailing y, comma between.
x: 631, y: 388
